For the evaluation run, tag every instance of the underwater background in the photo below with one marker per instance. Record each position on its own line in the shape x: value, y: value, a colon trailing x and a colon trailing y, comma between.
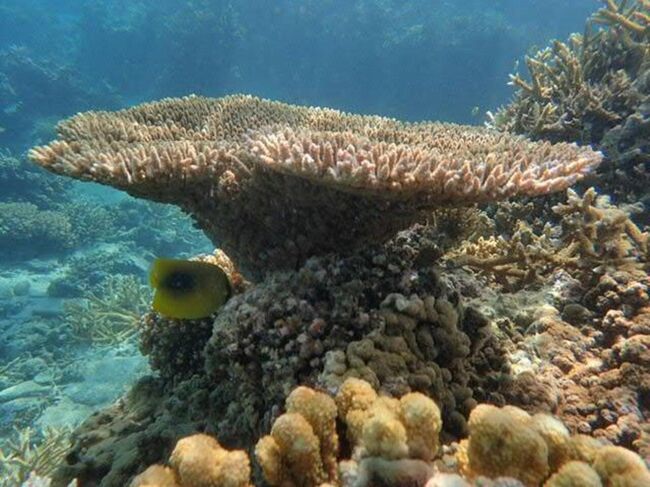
x: 75, y: 256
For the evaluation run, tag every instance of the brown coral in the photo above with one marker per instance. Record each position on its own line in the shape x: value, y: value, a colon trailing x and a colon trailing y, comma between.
x: 575, y: 474
x: 275, y: 183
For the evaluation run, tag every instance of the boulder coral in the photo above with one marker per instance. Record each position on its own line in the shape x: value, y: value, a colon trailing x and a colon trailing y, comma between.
x: 503, y: 443
x: 273, y: 184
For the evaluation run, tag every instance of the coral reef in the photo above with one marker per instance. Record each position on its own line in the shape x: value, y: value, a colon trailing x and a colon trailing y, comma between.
x: 22, y: 182
x: 593, y: 89
x: 391, y: 441
x: 154, y: 227
x: 25, y: 230
x: 334, y: 318
x: 340, y: 179
x: 28, y: 455
x: 36, y: 91
x: 110, y: 314
x: 386, y: 360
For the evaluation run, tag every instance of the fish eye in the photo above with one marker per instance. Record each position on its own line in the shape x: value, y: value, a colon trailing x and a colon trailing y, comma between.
x: 180, y: 281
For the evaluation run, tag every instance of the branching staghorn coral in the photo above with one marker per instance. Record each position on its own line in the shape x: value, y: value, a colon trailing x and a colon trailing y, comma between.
x: 595, y: 88
x: 272, y: 183
x: 27, y: 453
x: 514, y: 262
x: 111, y: 313
x: 593, y: 236
x: 602, y: 236
x: 579, y: 89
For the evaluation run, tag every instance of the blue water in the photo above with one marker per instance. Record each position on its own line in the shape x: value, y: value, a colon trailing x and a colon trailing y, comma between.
x: 413, y: 60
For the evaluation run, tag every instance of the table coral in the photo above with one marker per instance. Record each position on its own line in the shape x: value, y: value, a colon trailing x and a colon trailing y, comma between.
x: 335, y: 180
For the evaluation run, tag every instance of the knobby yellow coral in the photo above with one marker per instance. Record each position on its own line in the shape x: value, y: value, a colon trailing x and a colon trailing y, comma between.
x: 501, y: 443
x: 395, y: 442
x: 302, y: 448
x: 335, y: 179
x: 199, y: 461
x: 538, y: 450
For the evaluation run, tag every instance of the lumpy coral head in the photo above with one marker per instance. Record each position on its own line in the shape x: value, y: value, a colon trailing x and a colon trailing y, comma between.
x: 273, y: 184
x: 200, y: 461
x: 503, y: 443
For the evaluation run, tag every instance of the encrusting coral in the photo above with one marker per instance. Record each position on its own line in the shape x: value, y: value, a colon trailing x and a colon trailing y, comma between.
x: 273, y: 184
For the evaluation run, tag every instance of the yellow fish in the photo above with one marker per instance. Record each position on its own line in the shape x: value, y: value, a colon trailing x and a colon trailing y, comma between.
x: 188, y: 289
